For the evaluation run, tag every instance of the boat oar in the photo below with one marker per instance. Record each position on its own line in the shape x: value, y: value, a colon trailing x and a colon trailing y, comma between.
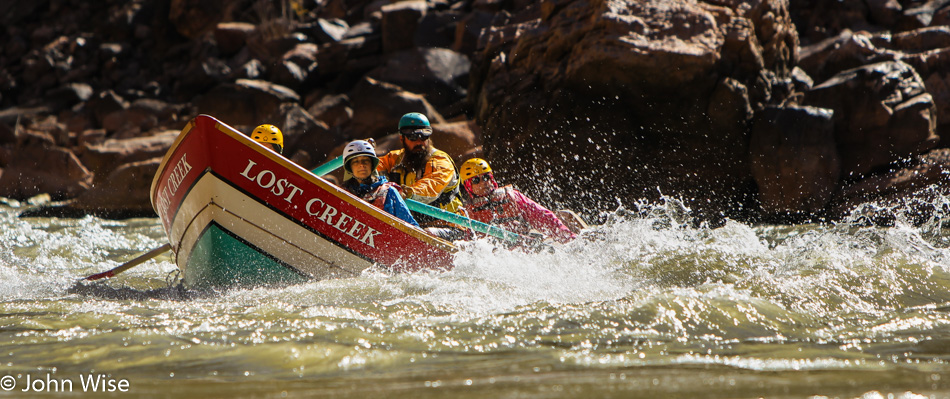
x: 463, y: 221
x: 329, y: 166
x: 130, y: 264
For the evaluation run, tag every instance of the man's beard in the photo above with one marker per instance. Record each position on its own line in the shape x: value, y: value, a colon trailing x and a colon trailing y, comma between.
x: 416, y: 159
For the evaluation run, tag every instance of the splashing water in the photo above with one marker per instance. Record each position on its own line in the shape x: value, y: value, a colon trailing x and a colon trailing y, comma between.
x: 644, y: 305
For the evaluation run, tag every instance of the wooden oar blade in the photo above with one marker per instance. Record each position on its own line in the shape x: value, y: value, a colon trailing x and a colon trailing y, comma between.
x: 97, y: 276
x: 572, y: 220
x: 130, y: 264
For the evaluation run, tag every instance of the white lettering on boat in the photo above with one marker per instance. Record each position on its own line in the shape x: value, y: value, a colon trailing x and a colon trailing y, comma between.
x: 324, y: 212
x: 342, y: 221
x: 353, y: 230
x: 328, y: 212
x: 265, y: 174
x: 368, y: 237
x: 172, y: 183
x: 277, y: 186
x: 281, y: 186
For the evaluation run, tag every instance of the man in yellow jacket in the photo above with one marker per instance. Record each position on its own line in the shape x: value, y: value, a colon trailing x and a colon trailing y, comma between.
x: 426, y: 174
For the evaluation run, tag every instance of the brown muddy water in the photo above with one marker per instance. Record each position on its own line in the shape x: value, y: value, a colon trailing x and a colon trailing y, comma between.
x: 643, y: 306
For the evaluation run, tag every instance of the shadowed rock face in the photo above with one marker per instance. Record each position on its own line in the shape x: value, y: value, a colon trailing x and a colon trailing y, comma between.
x: 581, y: 103
x: 793, y: 159
x: 883, y: 113
x: 621, y: 100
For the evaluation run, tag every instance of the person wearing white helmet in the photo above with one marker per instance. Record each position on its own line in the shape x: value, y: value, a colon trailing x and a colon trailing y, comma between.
x: 361, y: 179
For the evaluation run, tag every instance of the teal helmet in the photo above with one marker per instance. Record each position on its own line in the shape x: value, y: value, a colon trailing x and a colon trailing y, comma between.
x: 415, y: 120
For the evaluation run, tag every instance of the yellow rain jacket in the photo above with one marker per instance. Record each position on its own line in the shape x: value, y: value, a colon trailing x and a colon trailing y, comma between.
x: 436, y: 185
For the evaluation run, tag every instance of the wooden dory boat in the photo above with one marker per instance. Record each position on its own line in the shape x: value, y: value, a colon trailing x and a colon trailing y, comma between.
x: 238, y: 214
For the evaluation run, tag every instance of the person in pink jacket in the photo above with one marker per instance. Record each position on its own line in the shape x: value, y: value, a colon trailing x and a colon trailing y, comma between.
x: 505, y: 206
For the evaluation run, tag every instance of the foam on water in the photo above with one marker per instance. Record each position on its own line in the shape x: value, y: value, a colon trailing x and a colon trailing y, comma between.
x: 645, y: 288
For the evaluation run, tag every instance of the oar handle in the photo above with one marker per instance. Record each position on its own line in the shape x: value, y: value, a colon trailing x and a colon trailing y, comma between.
x: 328, y: 167
x: 130, y: 264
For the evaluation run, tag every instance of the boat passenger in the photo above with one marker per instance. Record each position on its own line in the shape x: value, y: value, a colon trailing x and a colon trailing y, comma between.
x: 270, y: 136
x: 361, y: 179
x: 505, y: 206
x: 425, y: 174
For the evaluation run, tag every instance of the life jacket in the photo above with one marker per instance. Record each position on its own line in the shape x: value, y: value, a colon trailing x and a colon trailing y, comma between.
x: 498, y: 208
x: 375, y: 193
x: 378, y: 197
x: 447, y: 200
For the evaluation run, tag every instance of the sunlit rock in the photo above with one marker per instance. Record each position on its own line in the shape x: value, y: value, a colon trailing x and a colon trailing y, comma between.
x: 377, y: 107
x: 192, y: 18
x: 440, y: 74
x: 232, y: 36
x: 399, y: 23
x: 304, y: 133
x: 916, y: 187
x: 123, y: 193
x: 245, y: 102
x: 37, y: 169
x: 104, y: 158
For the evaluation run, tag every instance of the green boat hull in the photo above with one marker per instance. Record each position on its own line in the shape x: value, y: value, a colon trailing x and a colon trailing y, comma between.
x: 229, y: 261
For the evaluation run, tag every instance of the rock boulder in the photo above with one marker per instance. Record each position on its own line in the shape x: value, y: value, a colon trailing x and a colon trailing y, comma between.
x: 613, y: 97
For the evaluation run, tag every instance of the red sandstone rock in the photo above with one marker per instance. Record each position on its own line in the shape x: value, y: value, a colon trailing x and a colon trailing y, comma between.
x: 39, y: 169
x: 377, y: 107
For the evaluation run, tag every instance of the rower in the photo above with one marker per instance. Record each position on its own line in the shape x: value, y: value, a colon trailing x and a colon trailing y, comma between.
x: 426, y: 175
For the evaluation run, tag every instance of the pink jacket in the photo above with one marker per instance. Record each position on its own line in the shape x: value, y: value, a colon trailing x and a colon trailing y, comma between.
x: 510, y: 209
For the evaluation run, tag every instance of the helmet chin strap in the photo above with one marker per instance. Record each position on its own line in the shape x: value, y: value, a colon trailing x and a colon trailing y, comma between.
x: 468, y: 188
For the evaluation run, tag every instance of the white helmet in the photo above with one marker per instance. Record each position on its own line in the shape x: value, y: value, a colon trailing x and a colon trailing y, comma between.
x: 359, y: 148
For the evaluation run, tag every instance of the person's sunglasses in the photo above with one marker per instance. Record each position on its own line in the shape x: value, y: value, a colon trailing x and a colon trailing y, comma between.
x: 414, y: 135
x: 480, y: 178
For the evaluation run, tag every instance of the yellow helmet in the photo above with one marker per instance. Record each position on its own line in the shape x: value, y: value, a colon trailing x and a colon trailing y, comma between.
x: 269, y: 134
x: 473, y: 167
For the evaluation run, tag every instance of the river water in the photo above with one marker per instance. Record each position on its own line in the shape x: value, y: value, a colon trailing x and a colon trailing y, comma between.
x: 644, y: 305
